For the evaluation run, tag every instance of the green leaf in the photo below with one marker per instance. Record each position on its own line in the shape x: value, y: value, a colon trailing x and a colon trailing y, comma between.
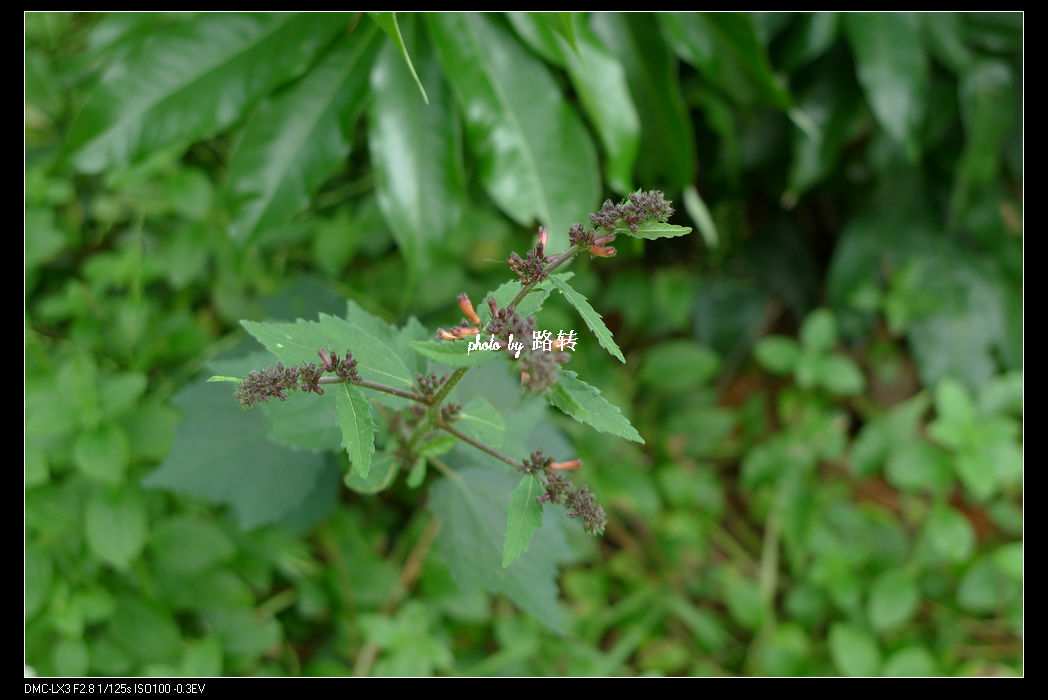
x: 777, y: 353
x: 893, y: 600
x: 218, y: 378
x: 416, y: 153
x: 840, y: 375
x: 299, y: 138
x: 188, y: 545
x: 103, y: 453
x: 585, y: 404
x: 221, y: 454
x: 893, y: 71
x: 358, y: 428
x: 809, y: 37
x: 481, y: 421
x: 379, y: 478
x: 472, y: 507
x: 523, y: 518
x: 191, y: 80
x: 116, y: 525
x: 295, y: 343
x: 599, y: 81
x: 854, y: 651
x: 532, y: 151
x: 594, y: 321
x: 667, y: 134
x: 653, y: 230
x: 985, y: 588
x: 819, y: 331
x: 678, y: 365
x: 911, y: 661
x: 305, y: 421
x: 916, y: 465
x: 455, y: 353
x: 950, y: 534
x: 388, y: 22
x: 145, y: 630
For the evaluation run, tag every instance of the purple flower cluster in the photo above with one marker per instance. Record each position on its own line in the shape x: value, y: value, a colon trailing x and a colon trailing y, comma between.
x: 580, y: 502
x: 539, y: 370
x: 276, y: 382
x: 262, y: 385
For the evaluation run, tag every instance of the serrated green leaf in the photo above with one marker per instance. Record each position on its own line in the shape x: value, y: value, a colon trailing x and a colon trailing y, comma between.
x: 481, y: 420
x: 358, y: 428
x: 297, y: 139
x: 523, y: 518
x: 454, y: 353
x: 305, y: 421
x: 471, y: 507
x: 653, y: 230
x: 190, y: 80
x: 594, y: 321
x: 416, y: 152
x: 585, y: 404
x: 388, y: 22
x: 534, y: 156
x: 295, y: 343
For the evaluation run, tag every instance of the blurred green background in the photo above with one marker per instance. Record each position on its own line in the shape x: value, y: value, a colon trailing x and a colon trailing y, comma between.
x: 827, y: 373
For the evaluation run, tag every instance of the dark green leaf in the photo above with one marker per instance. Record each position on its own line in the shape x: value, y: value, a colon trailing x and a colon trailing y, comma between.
x: 585, y: 404
x: 534, y: 156
x: 388, y: 22
x: 192, y: 79
x: 358, y: 428
x: 299, y: 138
x: 594, y: 321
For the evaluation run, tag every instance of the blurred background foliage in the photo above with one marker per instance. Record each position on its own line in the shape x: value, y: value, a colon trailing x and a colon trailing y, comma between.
x: 828, y: 375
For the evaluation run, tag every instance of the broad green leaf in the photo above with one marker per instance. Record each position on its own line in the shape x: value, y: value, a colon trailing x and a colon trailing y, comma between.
x: 221, y: 454
x: 594, y: 321
x: 916, y: 465
x: 380, y: 476
x: 471, y: 507
x: 893, y: 600
x: 481, y: 420
x: 296, y: 140
x: 532, y: 151
x: 416, y: 152
x: 853, y: 650
x: 358, y: 428
x: 911, y: 661
x: 192, y: 79
x: 777, y: 353
x: 145, y: 630
x: 893, y: 71
x: 678, y: 365
x: 667, y: 135
x: 654, y: 229
x: 388, y: 22
x: 585, y: 404
x: 116, y: 525
x: 103, y: 453
x: 950, y: 534
x: 305, y: 421
x: 840, y: 375
x: 819, y: 331
x: 295, y: 343
x: 599, y: 81
x: 186, y: 545
x: 523, y: 518
x: 455, y: 353
x: 563, y: 23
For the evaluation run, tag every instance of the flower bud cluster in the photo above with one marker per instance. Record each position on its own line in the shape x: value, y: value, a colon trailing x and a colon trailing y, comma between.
x: 580, y: 502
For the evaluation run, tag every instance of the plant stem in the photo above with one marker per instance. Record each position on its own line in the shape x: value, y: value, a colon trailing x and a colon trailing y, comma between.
x: 378, y: 387
x: 481, y: 446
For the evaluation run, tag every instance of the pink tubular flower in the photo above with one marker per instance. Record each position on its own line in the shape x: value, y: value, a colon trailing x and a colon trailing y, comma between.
x: 564, y: 466
x: 467, y: 308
